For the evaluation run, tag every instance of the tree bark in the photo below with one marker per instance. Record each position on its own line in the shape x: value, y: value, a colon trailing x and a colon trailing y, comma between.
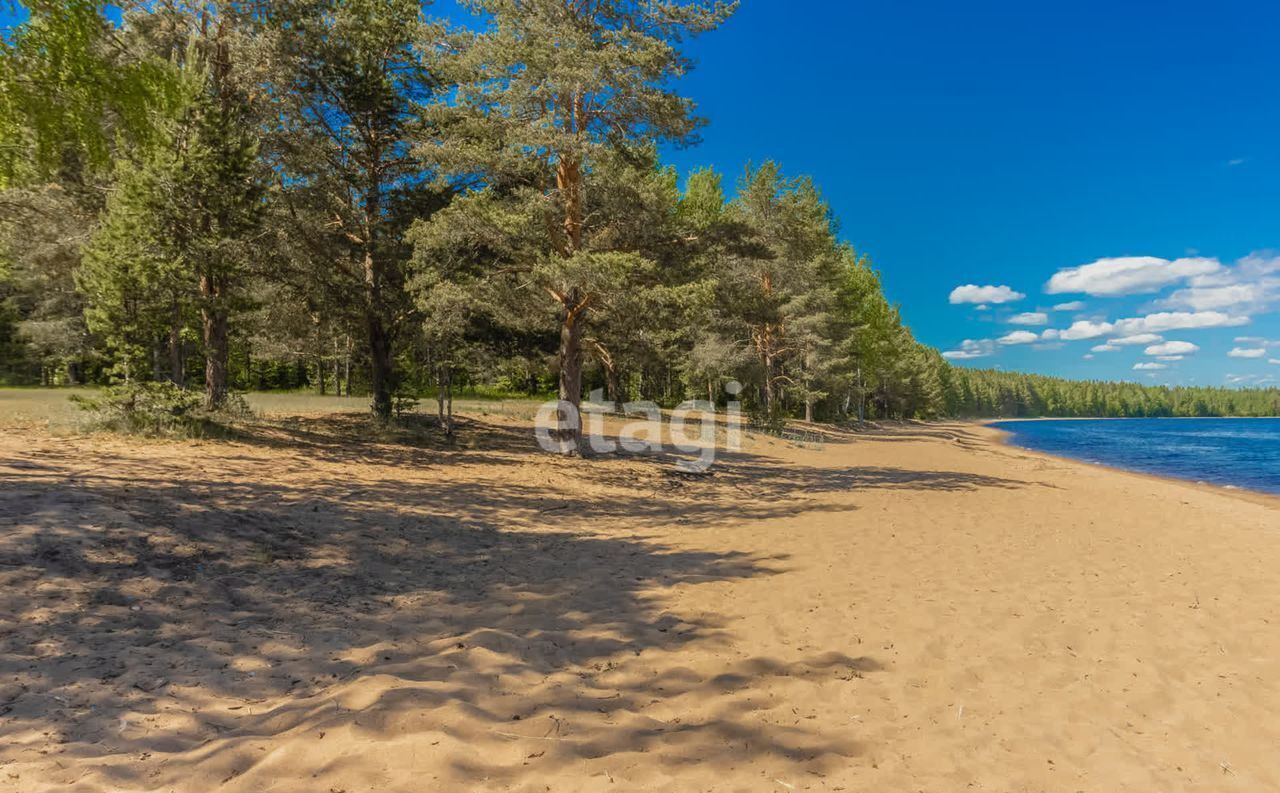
x: 379, y: 331
x: 177, y: 368
x: 213, y: 315
x: 612, y: 377
x: 346, y: 367
x: 444, y: 399
x: 571, y: 369
x: 380, y: 365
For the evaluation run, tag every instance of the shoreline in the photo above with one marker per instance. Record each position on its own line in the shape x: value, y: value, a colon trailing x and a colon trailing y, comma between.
x: 1004, y: 438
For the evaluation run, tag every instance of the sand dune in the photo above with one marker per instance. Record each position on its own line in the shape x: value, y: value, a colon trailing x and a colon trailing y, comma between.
x: 916, y: 608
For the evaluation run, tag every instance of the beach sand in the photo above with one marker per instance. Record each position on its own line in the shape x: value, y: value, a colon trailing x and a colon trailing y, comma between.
x: 917, y: 608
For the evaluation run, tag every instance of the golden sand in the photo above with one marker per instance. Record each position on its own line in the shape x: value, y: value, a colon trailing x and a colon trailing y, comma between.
x: 912, y: 609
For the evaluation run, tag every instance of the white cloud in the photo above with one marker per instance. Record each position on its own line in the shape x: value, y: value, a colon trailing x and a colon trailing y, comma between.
x: 1128, y: 275
x: 1252, y: 284
x: 1178, y: 320
x: 1204, y: 298
x: 1247, y: 352
x: 1086, y: 329
x: 1143, y: 330
x: 1019, y: 337
x: 1074, y: 305
x: 1108, y: 347
x: 1249, y: 379
x: 1172, y: 348
x: 1141, y: 367
x: 1170, y: 357
x: 1141, y: 338
x: 1029, y: 318
x: 1088, y: 356
x: 1256, y: 341
x: 1274, y: 361
x: 972, y: 293
x: 971, y: 348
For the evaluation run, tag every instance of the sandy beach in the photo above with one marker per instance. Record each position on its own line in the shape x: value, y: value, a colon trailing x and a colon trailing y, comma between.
x: 917, y: 608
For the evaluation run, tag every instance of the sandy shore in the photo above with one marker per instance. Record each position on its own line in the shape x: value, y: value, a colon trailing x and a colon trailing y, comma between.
x: 915, y: 609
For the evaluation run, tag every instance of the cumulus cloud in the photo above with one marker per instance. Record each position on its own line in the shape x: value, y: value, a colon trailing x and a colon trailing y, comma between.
x: 1203, y: 298
x: 1086, y: 329
x: 1141, y: 367
x: 1256, y: 341
x: 1274, y: 360
x: 1029, y: 318
x: 971, y: 348
x: 1108, y: 347
x: 1128, y: 275
x: 1247, y: 352
x: 1178, y: 320
x: 1252, y: 284
x: 972, y: 293
x: 1170, y: 357
x: 1019, y: 337
x: 1074, y: 305
x: 1172, y: 348
x: 1088, y: 356
x: 1140, y: 338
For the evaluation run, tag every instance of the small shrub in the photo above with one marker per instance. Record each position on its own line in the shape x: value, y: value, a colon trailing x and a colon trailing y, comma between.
x: 403, y: 404
x: 154, y: 409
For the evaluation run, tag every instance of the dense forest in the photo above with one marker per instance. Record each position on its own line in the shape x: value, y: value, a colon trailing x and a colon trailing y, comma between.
x: 989, y: 393
x: 351, y: 197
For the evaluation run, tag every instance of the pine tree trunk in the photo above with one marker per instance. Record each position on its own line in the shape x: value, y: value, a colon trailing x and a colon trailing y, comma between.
x: 440, y: 399
x: 808, y: 409
x: 571, y: 371
x: 446, y: 403
x: 177, y: 368
x: 614, y: 383
x: 612, y: 378
x: 346, y: 368
x: 770, y: 395
x: 337, y: 369
x: 379, y: 331
x: 380, y: 362
x: 213, y: 316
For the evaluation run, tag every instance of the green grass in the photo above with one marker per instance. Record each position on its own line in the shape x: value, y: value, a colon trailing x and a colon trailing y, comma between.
x: 52, y: 407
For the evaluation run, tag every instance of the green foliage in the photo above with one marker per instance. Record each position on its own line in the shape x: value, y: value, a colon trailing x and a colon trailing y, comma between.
x: 449, y: 211
x: 143, y: 408
x: 68, y: 90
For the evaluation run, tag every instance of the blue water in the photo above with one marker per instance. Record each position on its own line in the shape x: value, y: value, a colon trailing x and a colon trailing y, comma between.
x: 1236, y: 452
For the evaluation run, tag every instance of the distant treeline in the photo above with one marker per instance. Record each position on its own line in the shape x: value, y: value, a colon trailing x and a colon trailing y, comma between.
x: 990, y: 393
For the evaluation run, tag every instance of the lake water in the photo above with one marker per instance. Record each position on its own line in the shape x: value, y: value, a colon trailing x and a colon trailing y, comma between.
x: 1238, y: 452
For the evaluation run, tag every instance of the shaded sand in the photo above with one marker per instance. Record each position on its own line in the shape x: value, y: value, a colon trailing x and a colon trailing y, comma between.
x: 917, y: 608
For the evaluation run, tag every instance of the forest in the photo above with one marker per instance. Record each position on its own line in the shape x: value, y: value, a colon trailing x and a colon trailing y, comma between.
x: 352, y: 197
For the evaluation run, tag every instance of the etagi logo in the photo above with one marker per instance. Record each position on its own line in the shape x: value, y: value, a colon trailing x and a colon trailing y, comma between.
x: 692, y: 428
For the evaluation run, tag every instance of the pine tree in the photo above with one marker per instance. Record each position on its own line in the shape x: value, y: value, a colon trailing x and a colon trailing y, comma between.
x: 548, y: 92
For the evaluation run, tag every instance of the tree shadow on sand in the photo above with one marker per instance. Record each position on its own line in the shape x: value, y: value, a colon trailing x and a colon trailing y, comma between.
x: 154, y: 608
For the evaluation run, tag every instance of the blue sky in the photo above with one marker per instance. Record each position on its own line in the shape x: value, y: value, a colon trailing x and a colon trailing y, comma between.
x: 999, y: 143
x: 1131, y: 149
